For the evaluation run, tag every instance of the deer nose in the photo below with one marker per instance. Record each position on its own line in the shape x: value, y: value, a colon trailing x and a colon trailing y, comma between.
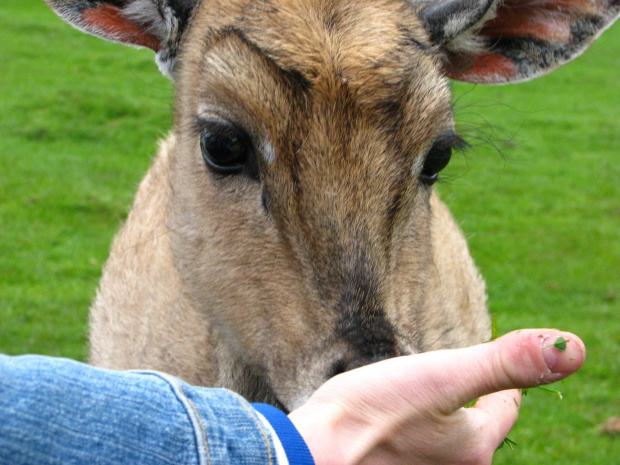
x: 342, y: 365
x: 364, y: 327
x: 337, y: 368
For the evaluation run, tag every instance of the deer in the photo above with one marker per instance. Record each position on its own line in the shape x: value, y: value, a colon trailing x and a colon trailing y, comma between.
x: 288, y: 229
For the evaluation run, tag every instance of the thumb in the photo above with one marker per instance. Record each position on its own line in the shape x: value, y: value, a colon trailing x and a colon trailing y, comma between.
x: 520, y: 359
x: 449, y: 379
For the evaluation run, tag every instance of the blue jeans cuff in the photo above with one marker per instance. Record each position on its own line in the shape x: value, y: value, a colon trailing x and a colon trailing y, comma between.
x: 295, y: 447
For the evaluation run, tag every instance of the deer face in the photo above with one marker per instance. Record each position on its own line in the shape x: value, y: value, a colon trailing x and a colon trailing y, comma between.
x: 309, y: 134
x: 301, y: 192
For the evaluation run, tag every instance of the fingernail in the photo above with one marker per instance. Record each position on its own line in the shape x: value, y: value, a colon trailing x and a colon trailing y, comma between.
x: 560, y: 354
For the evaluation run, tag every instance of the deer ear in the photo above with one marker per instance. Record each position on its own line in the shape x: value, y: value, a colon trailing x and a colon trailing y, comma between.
x: 156, y: 24
x: 495, y: 42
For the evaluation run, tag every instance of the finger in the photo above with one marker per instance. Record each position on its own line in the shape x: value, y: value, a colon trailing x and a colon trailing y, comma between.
x: 448, y: 379
x: 497, y: 413
x: 521, y: 359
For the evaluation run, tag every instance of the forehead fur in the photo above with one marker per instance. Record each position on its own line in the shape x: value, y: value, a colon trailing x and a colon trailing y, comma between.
x: 365, y: 43
x: 374, y: 50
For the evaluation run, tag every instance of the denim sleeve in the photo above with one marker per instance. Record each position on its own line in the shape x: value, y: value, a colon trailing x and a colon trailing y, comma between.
x: 57, y: 411
x: 294, y: 447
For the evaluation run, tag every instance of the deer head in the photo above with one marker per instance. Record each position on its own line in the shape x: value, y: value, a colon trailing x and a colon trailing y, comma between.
x: 309, y: 134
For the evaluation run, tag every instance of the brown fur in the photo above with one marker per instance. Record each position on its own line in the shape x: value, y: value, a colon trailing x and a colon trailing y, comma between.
x: 205, y: 283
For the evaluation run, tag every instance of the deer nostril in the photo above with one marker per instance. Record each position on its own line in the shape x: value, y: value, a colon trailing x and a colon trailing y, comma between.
x: 348, y: 364
x: 337, y: 368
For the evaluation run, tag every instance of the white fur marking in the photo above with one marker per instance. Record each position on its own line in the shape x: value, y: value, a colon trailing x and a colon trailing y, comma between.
x: 268, y: 152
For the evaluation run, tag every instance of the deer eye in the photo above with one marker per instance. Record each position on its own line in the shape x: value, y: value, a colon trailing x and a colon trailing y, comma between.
x: 225, y: 147
x: 439, y: 156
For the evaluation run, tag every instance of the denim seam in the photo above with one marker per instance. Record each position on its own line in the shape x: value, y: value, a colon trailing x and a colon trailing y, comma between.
x: 192, y: 413
x: 260, y: 428
x: 202, y: 426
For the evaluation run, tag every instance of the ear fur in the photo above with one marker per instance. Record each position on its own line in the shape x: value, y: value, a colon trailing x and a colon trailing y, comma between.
x: 155, y: 24
x: 497, y: 42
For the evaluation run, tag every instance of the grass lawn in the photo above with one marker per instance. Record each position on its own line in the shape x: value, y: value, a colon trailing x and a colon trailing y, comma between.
x: 79, y: 123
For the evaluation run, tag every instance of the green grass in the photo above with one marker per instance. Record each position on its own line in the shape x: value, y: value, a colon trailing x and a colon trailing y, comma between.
x: 79, y: 123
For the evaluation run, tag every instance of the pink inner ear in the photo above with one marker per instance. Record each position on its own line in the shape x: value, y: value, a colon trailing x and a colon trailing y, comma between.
x: 545, y: 26
x: 483, y: 68
x: 571, y: 7
x: 545, y: 20
x: 549, y: 23
x: 109, y: 21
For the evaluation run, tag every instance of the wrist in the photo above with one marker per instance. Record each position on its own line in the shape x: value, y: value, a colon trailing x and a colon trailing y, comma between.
x: 332, y: 432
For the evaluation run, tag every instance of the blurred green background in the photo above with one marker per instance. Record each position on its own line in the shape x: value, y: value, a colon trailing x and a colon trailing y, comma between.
x: 538, y: 197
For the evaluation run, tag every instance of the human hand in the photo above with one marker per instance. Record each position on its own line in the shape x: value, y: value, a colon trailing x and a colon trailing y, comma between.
x: 409, y: 410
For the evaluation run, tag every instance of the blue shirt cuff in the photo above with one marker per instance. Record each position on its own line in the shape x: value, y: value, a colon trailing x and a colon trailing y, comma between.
x: 295, y: 447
